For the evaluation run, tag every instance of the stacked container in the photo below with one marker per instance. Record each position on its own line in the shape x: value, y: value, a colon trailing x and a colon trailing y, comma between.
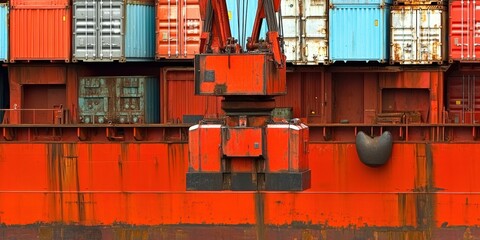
x: 178, y: 29
x: 464, y: 44
x: 119, y: 100
x: 40, y: 30
x: 359, y: 30
x: 305, y: 31
x: 113, y: 30
x: 4, y: 32
x: 418, y: 32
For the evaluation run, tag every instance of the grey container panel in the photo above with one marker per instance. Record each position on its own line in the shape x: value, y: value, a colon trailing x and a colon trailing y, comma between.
x: 95, y: 100
x: 98, y: 30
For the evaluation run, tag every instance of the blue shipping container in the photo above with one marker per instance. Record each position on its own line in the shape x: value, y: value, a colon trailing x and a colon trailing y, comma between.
x: 359, y: 33
x: 140, y: 32
x: 241, y: 14
x: 3, y: 31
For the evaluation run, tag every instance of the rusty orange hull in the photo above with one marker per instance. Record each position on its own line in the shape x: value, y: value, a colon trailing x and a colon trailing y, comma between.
x: 137, y: 191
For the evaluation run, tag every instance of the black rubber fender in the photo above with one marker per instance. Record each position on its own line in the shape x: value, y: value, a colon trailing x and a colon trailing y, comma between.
x: 374, y: 152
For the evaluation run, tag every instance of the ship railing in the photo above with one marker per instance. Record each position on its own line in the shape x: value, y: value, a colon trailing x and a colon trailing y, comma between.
x: 55, y: 115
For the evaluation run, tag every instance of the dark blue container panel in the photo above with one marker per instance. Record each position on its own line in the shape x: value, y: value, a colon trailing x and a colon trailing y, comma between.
x: 359, y: 33
x: 3, y: 31
x: 140, y: 32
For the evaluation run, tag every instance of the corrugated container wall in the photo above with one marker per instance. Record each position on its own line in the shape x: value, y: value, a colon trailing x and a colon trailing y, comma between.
x: 463, y: 93
x: 98, y: 30
x: 305, y: 30
x: 418, y: 34
x: 119, y: 100
x: 241, y: 15
x: 464, y: 43
x: 3, y: 32
x: 178, y: 29
x: 140, y: 31
x: 358, y: 32
x: 40, y: 30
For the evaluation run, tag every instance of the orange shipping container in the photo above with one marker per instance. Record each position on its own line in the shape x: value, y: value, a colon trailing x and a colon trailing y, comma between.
x: 179, y: 26
x: 40, y: 30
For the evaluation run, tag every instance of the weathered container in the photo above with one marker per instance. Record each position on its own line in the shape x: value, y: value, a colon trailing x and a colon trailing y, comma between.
x: 178, y: 29
x: 140, y: 30
x: 305, y: 31
x: 419, y: 2
x: 418, y: 34
x: 464, y: 43
x: 98, y: 30
x: 358, y: 32
x: 179, y: 100
x: 118, y: 100
x: 40, y: 30
x: 4, y: 32
x: 463, y: 93
x: 241, y: 15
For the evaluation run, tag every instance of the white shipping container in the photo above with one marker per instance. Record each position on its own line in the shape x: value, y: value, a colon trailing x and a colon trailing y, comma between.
x: 418, y: 34
x: 305, y: 31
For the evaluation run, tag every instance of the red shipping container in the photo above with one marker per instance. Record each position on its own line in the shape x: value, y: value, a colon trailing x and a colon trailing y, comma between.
x: 40, y: 30
x: 178, y: 27
x: 464, y: 42
x: 178, y: 97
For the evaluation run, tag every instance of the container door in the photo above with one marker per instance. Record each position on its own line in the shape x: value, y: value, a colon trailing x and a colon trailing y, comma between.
x: 192, y: 28
x: 111, y: 32
x: 3, y: 32
x: 85, y: 33
x: 167, y: 29
x: 95, y: 100
x: 130, y: 104
x: 404, y: 35
x: 291, y: 30
x: 315, y: 32
x: 429, y: 30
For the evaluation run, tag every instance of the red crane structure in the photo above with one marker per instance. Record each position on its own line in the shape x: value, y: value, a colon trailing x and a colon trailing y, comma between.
x: 247, y: 149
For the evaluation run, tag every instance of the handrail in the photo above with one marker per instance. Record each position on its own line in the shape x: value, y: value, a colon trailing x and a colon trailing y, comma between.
x: 57, y: 115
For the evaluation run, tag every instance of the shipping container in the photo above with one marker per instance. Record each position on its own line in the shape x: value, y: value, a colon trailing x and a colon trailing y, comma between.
x: 40, y: 30
x: 305, y: 31
x: 418, y: 34
x: 464, y: 34
x: 140, y: 31
x: 118, y: 100
x: 179, y: 101
x: 4, y: 32
x: 241, y: 15
x: 98, y: 30
x: 178, y: 29
x: 358, y: 32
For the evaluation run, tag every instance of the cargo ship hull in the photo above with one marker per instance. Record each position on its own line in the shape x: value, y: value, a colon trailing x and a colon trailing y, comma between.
x: 137, y: 191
